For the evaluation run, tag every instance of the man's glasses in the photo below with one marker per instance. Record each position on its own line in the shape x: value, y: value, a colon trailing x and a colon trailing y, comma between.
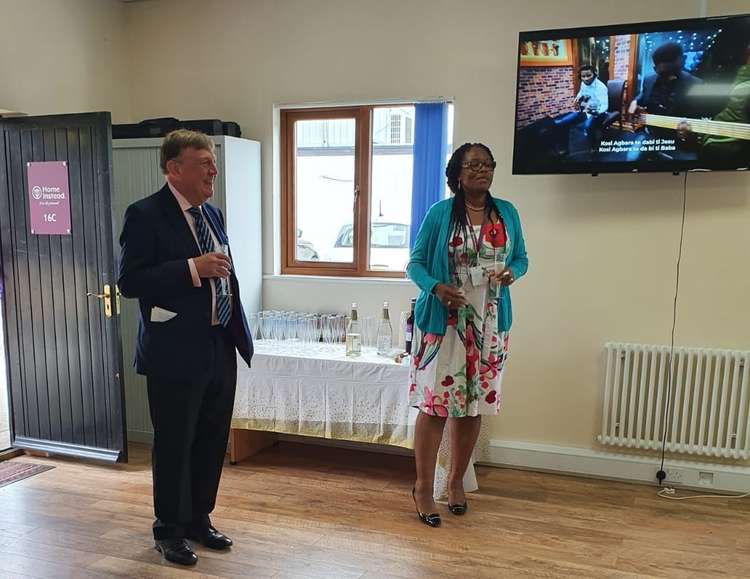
x: 477, y: 166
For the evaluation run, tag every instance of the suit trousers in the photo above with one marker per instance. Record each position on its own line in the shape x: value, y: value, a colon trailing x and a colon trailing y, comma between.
x: 191, y: 421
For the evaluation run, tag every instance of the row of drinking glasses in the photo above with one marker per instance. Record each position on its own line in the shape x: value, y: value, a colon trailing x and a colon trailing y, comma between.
x: 298, y: 326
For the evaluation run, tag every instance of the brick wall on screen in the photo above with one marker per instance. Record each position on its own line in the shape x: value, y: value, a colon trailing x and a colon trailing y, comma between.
x: 543, y: 91
x: 622, y: 56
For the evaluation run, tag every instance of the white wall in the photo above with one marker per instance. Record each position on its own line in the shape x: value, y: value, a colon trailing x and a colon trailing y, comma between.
x: 63, y: 56
x: 602, y: 249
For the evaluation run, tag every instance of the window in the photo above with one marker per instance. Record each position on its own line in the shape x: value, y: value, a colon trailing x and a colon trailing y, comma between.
x: 389, y: 235
x: 395, y: 129
x: 346, y: 190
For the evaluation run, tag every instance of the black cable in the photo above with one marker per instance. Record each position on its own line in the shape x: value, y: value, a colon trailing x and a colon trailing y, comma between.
x: 661, y: 474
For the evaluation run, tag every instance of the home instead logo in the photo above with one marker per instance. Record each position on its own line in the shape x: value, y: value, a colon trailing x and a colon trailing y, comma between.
x: 47, y: 193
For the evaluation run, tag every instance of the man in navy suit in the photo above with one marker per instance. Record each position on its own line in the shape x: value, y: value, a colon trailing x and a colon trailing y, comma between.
x: 667, y: 93
x: 175, y: 260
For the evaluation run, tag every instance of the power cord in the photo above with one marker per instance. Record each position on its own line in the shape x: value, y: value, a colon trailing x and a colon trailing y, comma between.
x: 668, y: 492
x: 661, y: 473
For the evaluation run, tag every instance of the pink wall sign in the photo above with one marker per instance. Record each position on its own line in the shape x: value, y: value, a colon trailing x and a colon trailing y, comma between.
x: 49, y: 197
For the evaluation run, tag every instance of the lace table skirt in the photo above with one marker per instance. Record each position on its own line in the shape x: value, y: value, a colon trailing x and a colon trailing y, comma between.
x: 315, y: 390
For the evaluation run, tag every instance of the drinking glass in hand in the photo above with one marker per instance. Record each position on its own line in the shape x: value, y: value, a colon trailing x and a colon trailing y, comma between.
x: 225, y: 288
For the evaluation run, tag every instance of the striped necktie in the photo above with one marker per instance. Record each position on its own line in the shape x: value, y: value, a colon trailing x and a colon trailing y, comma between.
x: 206, y: 244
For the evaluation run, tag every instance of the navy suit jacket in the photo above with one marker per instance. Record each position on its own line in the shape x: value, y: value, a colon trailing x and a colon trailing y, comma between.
x: 156, y: 243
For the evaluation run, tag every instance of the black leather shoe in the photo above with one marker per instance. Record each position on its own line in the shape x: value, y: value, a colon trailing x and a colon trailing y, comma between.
x: 431, y: 520
x: 177, y: 551
x: 211, y: 538
x: 459, y: 509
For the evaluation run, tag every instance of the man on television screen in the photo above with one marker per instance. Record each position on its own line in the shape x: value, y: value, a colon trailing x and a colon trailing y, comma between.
x: 591, y: 102
x: 666, y: 94
x: 666, y: 91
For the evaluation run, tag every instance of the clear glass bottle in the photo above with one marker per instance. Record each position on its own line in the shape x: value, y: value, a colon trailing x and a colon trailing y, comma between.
x: 385, y: 333
x: 354, y: 334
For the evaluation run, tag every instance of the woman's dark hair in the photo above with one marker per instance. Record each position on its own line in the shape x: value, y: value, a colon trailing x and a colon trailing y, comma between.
x: 453, y: 172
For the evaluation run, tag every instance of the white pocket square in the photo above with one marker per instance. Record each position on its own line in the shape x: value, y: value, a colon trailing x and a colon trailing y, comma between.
x: 161, y: 315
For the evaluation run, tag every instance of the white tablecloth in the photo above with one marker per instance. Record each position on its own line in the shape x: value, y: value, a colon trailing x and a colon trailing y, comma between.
x: 315, y: 390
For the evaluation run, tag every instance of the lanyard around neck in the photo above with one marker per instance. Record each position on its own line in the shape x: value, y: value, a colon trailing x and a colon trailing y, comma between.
x: 474, y: 239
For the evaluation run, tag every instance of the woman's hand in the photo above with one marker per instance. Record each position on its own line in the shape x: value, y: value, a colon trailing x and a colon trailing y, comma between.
x: 504, y: 277
x: 451, y: 297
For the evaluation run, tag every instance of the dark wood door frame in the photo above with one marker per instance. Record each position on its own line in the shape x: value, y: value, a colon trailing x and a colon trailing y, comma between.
x: 64, y: 355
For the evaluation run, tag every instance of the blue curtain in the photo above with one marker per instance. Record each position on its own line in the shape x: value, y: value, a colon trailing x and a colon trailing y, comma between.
x: 430, y: 150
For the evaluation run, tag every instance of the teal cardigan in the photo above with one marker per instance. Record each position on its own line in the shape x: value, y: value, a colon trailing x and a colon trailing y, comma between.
x: 428, y: 265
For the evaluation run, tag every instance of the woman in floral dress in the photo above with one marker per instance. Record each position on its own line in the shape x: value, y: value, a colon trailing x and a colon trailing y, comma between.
x: 468, y: 251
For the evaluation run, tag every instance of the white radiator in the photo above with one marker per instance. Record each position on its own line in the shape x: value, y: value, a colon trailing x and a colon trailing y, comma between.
x: 709, y: 405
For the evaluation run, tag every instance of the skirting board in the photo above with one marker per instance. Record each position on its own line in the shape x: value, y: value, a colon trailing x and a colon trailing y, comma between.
x: 143, y: 436
x: 701, y: 476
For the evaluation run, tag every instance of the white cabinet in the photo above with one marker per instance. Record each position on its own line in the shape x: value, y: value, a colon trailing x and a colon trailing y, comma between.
x: 237, y: 193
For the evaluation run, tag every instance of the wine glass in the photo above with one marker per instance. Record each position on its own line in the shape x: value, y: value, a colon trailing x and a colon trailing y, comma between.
x: 328, y: 329
x: 341, y: 322
x: 253, y: 321
x: 262, y: 327
x: 225, y: 288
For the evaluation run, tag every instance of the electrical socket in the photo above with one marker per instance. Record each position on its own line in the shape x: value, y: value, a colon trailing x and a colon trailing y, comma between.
x: 674, y: 475
x: 706, y: 479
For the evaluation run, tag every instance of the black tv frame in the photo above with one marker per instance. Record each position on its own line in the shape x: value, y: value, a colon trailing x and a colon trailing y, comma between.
x: 591, y: 167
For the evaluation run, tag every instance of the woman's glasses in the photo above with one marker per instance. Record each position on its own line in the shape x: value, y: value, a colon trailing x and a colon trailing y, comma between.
x: 477, y: 166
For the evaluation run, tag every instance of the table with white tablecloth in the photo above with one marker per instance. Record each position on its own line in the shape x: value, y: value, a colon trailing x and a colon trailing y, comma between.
x: 316, y: 390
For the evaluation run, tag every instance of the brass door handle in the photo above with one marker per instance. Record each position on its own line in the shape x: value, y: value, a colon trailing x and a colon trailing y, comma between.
x: 107, y: 297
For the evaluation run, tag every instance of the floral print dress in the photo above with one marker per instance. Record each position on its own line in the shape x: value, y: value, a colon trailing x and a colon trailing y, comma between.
x: 460, y: 374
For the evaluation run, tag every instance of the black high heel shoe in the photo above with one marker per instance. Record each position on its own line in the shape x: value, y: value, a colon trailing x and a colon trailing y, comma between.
x: 431, y: 520
x: 459, y: 509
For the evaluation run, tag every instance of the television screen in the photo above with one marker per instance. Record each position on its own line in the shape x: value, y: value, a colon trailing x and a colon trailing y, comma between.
x: 658, y: 96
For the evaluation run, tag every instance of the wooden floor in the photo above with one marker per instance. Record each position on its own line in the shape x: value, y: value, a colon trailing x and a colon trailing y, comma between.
x: 302, y: 511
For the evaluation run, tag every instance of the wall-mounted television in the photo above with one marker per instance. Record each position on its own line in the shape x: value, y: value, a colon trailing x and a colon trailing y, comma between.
x: 657, y: 96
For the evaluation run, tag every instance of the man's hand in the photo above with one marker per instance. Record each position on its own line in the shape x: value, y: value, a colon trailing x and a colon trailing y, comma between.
x: 634, y: 108
x: 684, y: 130
x: 212, y: 265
